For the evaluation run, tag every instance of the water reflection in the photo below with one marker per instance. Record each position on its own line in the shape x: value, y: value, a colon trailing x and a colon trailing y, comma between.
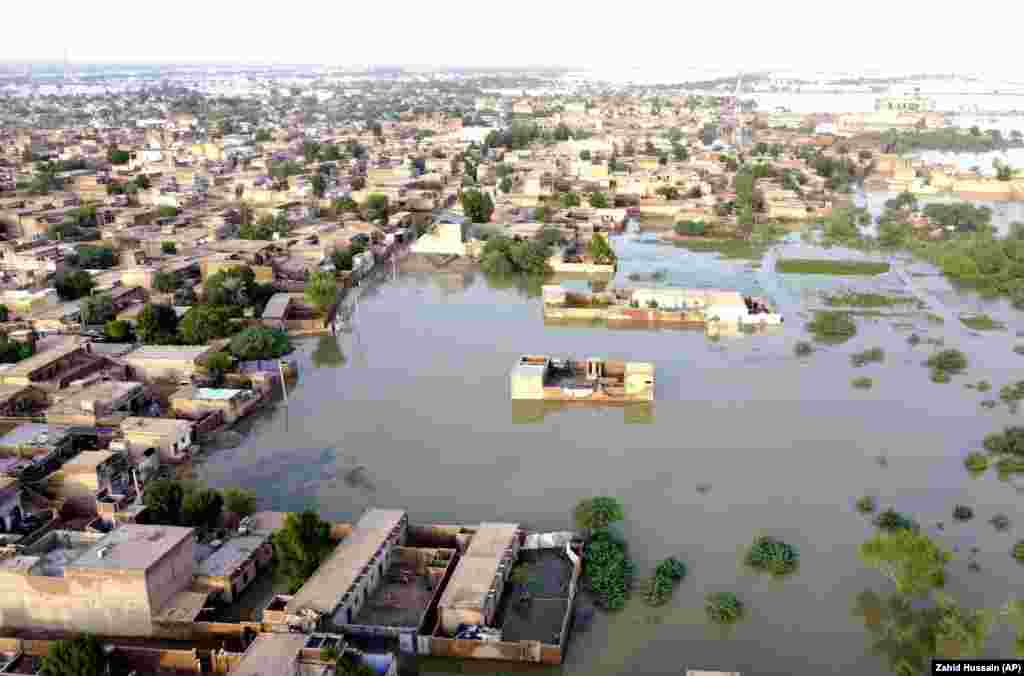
x: 525, y: 412
x: 328, y: 352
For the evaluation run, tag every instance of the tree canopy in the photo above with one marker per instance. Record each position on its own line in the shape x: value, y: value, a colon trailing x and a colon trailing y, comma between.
x: 157, y: 324
x: 164, y: 499
x: 301, y: 546
x: 477, y: 206
x: 81, y: 656
x: 322, y: 290
x: 73, y: 284
x: 206, y: 322
x: 260, y: 342
x: 97, y: 309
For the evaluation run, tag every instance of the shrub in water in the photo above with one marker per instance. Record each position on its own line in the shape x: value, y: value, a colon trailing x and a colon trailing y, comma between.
x: 829, y: 326
x: 875, y: 354
x: 984, y: 386
x: 1018, y: 551
x: 913, y: 339
x: 867, y: 505
x: 1000, y: 522
x: 1012, y: 393
x: 989, y: 403
x: 724, y: 608
x: 940, y: 376
x: 976, y: 462
x: 662, y: 583
x: 950, y: 361
x: 803, y: 348
x: 771, y: 555
x: 963, y: 513
x: 1008, y: 442
x: 608, y: 570
x: 891, y: 521
x: 862, y: 383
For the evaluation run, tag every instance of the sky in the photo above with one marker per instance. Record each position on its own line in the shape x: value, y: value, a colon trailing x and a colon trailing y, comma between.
x: 747, y: 34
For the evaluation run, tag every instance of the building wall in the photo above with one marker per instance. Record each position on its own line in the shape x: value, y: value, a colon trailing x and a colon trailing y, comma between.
x: 112, y: 603
x: 171, y: 574
x: 153, y: 369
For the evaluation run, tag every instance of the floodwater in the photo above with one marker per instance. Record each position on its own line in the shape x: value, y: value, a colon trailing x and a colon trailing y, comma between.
x: 411, y: 409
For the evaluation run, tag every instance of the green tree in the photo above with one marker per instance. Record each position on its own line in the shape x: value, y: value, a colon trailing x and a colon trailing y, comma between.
x: 142, y: 182
x: 118, y: 331
x: 322, y: 290
x: 166, y: 211
x: 601, y: 251
x: 909, y: 558
x: 599, y: 200
x: 260, y: 342
x: 505, y: 185
x: 164, y: 499
x: 217, y: 364
x: 342, y: 258
x: 97, y: 309
x: 301, y: 546
x: 81, y: 656
x: 169, y: 248
x: 205, y: 322
x: 477, y: 206
x: 239, y: 501
x: 377, y: 208
x: 318, y: 184
x: 5, y: 314
x: 73, y: 284
x: 541, y: 214
x: 95, y: 257
x: 585, y: 155
x: 262, y: 135
x: 597, y: 513
x: 569, y: 200
x: 116, y: 156
x: 234, y: 286
x: 202, y: 508
x: 157, y: 324
x: 165, y: 282
x: 349, y: 664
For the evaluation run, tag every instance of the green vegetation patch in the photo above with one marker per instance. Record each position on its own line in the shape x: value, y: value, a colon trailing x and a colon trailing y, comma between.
x: 863, y: 383
x: 831, y: 326
x: 867, y: 504
x: 874, y: 354
x: 868, y: 300
x: 891, y: 521
x: 740, y: 249
x: 667, y: 575
x: 773, y: 556
x: 976, y: 462
x: 608, y: 570
x: 807, y: 266
x: 803, y: 348
x: 724, y: 608
x: 982, y: 322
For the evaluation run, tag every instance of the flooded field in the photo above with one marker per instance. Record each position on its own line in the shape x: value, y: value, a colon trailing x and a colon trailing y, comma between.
x: 411, y: 409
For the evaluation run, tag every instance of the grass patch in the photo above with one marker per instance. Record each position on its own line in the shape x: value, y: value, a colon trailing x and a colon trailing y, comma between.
x: 809, y: 266
x: 863, y: 383
x: 934, y: 318
x: 982, y: 322
x: 872, y: 300
x: 740, y: 249
x: 831, y: 326
x: 875, y: 354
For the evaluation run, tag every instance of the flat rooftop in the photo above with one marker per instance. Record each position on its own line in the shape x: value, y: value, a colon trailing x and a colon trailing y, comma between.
x: 476, y: 570
x: 170, y: 352
x: 335, y: 577
x: 45, y: 358
x: 226, y: 559
x: 271, y: 655
x: 154, y: 425
x: 133, y: 547
x: 86, y: 461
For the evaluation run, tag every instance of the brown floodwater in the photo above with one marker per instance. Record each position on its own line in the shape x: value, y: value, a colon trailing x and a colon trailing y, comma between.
x: 411, y: 409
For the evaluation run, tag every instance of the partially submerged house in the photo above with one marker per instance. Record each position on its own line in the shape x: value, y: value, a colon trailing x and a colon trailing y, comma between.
x: 595, y: 380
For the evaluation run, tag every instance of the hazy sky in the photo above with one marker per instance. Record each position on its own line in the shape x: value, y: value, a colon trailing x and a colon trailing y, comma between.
x: 803, y: 34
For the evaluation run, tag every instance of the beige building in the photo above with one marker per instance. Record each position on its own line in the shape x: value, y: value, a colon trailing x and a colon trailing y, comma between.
x: 156, y: 362
x: 109, y: 585
x: 474, y: 590
x: 197, y: 402
x: 171, y: 437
